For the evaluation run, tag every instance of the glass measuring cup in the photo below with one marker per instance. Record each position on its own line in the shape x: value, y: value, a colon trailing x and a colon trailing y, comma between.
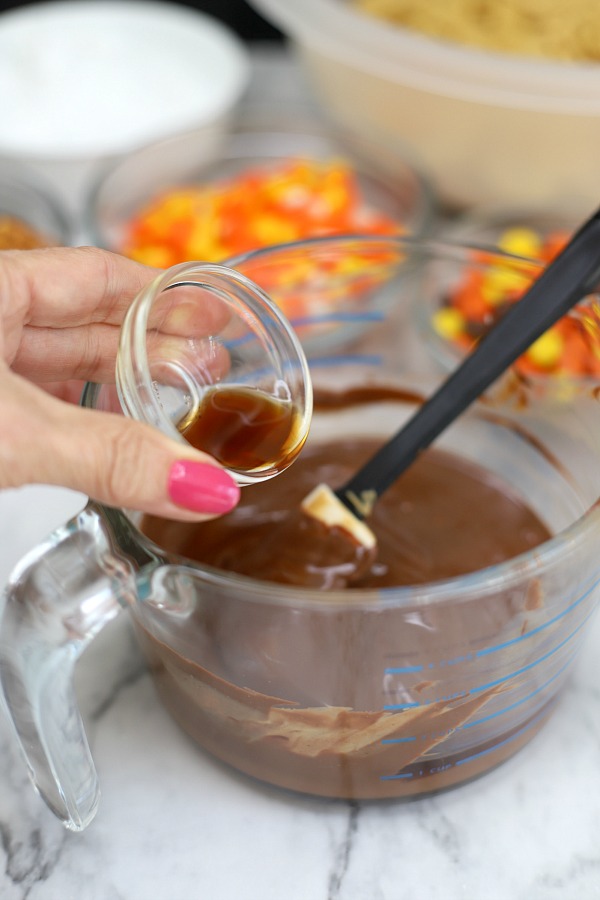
x: 361, y: 693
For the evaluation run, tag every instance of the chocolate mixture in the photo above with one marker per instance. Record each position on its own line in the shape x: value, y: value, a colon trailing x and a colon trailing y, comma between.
x: 442, y: 518
x: 343, y: 700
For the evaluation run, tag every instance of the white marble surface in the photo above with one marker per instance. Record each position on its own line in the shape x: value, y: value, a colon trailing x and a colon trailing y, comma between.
x: 176, y: 825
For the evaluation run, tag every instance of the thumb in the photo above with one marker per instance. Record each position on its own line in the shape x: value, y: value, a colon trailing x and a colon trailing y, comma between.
x: 113, y: 459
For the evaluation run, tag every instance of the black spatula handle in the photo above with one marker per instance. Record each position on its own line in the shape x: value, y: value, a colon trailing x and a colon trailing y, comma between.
x: 572, y: 274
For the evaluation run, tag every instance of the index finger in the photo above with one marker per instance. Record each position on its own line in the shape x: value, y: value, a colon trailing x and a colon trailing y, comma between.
x: 67, y: 287
x: 70, y: 286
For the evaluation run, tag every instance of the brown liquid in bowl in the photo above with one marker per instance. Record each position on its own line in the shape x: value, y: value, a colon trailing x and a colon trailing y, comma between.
x: 366, y: 701
x: 444, y: 517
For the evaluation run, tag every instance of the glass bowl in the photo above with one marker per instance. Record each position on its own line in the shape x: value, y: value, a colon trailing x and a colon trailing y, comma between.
x: 453, y: 312
x: 378, y: 691
x: 274, y: 180
x: 30, y: 215
x: 238, y: 389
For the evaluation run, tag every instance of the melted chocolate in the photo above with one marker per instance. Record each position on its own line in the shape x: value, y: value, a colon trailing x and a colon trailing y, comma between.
x: 353, y: 699
x: 442, y: 518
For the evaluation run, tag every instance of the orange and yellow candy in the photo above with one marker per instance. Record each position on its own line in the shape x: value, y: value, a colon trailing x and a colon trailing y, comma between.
x: 261, y: 206
x: 571, y: 347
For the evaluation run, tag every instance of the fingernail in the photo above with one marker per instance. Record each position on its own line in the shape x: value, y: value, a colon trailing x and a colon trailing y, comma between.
x: 202, y: 487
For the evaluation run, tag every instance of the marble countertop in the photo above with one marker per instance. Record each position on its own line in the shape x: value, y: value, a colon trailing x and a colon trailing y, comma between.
x: 174, y: 824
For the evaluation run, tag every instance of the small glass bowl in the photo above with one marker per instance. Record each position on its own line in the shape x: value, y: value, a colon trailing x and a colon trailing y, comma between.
x: 205, y: 356
x: 452, y: 313
x: 392, y: 187
x: 30, y: 215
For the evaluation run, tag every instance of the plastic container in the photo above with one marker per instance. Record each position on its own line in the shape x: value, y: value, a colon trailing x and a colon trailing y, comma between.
x: 487, y: 127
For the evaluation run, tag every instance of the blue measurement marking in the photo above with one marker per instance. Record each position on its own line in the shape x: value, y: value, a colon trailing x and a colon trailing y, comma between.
x: 398, y: 707
x: 457, y: 660
x: 530, y: 724
x: 315, y: 362
x: 403, y: 670
x: 395, y: 707
x: 468, y: 759
x: 332, y: 318
x: 500, y: 712
x: 520, y: 702
x: 305, y: 321
x: 361, y: 359
x: 531, y: 665
x: 529, y: 634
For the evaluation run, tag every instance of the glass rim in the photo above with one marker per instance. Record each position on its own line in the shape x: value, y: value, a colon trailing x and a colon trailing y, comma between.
x: 310, y: 126
x: 457, y: 589
x: 430, y: 245
x: 133, y: 367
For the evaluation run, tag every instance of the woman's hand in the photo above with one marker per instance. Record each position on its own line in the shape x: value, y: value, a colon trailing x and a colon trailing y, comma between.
x: 60, y: 318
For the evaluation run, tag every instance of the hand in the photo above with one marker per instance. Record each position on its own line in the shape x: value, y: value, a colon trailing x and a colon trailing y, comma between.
x: 60, y: 318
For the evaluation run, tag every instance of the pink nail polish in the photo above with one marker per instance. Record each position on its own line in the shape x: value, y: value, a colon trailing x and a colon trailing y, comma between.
x: 202, y: 487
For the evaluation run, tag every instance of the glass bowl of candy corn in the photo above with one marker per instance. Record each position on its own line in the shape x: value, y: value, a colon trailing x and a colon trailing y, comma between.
x: 455, y: 314
x: 270, y: 181
x: 277, y: 179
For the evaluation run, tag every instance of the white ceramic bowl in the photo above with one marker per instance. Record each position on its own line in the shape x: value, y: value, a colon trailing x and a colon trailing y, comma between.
x: 92, y: 80
x: 488, y: 127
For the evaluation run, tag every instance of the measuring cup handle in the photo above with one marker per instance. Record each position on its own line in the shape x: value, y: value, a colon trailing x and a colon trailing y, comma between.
x: 57, y: 600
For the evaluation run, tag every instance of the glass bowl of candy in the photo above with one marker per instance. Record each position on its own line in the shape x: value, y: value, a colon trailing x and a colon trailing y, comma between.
x: 454, y: 313
x: 280, y: 178
x: 274, y: 180
x: 30, y: 215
